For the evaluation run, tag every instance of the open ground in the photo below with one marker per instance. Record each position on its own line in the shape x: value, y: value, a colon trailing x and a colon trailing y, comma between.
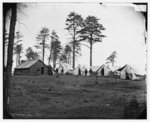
x: 76, y: 97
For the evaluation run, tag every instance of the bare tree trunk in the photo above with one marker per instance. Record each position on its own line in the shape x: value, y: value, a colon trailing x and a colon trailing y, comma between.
x: 70, y: 59
x: 91, y: 53
x: 43, y: 51
x: 6, y: 8
x: 54, y: 56
x: 49, y: 59
x: 74, y: 44
x: 54, y: 63
x: 5, y: 107
x: 74, y: 55
x: 4, y: 29
x: 50, y: 56
x: 19, y: 59
x: 16, y: 59
x: 7, y: 77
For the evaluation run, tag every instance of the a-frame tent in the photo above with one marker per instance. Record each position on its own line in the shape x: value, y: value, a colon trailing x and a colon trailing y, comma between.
x: 128, y: 72
x: 103, y: 71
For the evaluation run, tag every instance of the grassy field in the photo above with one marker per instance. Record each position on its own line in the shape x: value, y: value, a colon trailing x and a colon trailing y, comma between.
x: 74, y: 97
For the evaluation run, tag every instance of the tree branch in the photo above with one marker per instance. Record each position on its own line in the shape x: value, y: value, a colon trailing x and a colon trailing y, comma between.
x: 86, y: 45
x: 70, y: 33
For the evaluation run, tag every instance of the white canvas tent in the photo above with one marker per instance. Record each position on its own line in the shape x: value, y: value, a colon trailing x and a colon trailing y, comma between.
x: 66, y: 67
x: 76, y: 70
x: 113, y: 68
x: 128, y: 72
x: 94, y: 69
x: 103, y: 71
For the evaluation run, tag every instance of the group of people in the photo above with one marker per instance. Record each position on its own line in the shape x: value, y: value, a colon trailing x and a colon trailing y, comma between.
x: 62, y: 71
x: 79, y: 71
x: 86, y: 72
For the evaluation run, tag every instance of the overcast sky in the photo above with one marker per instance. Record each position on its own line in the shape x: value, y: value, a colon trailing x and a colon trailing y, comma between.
x: 125, y: 30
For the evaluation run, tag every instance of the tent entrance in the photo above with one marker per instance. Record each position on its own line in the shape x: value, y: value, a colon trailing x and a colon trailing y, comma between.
x: 127, y: 76
x: 102, y: 72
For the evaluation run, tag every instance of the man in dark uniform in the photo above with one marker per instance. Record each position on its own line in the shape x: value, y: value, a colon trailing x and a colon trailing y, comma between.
x: 86, y: 72
x: 79, y: 71
x: 56, y: 70
x: 62, y: 71
x: 91, y: 72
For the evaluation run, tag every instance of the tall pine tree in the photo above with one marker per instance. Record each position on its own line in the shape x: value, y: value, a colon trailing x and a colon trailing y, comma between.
x: 74, y: 24
x: 91, y: 32
x: 41, y: 40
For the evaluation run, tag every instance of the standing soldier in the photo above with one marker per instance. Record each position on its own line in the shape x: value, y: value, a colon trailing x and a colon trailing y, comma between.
x: 91, y: 72
x: 57, y: 73
x: 56, y: 70
x: 62, y: 71
x: 79, y: 71
x: 86, y: 72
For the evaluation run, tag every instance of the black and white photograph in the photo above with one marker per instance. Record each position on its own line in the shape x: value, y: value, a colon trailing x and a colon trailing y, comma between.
x: 74, y: 60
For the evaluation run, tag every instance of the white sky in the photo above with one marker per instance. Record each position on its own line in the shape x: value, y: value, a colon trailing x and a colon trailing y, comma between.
x: 124, y: 30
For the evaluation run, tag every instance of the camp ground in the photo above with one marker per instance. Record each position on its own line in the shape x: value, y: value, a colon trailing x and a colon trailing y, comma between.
x: 76, y: 96
x: 74, y: 60
x: 37, y: 67
x: 47, y: 94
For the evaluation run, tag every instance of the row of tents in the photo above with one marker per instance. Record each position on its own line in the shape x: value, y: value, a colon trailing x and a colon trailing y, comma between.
x: 125, y: 72
x: 37, y: 67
